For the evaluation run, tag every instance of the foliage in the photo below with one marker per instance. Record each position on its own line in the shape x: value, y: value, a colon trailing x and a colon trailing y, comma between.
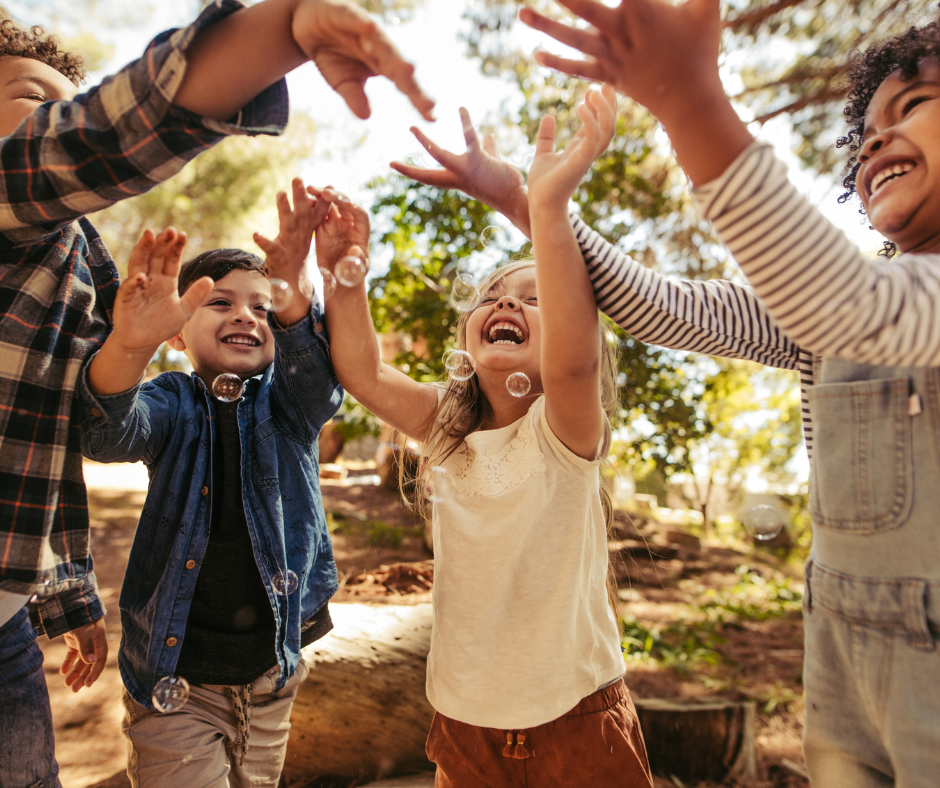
x: 354, y: 421
x: 680, y: 645
x: 754, y: 598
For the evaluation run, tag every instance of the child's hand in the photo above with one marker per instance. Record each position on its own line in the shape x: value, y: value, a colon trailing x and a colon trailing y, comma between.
x: 479, y: 173
x: 346, y: 226
x: 554, y: 176
x: 348, y: 47
x: 87, y: 655
x: 148, y: 310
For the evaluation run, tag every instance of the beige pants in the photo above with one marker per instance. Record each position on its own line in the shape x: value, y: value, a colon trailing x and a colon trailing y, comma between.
x: 201, y: 745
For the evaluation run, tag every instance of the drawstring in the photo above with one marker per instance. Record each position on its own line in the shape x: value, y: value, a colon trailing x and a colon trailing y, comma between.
x: 519, y: 752
x: 241, y: 699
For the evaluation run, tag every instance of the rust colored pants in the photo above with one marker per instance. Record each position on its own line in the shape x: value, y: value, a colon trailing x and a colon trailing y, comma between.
x: 598, y: 744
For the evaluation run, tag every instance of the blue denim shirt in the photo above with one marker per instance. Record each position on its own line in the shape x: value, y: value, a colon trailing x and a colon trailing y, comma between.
x: 169, y: 424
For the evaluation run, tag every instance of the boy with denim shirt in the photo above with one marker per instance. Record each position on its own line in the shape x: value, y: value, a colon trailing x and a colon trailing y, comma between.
x: 62, y: 156
x: 233, y: 519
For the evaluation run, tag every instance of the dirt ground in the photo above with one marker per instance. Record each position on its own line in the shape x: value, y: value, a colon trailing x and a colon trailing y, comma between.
x: 758, y: 658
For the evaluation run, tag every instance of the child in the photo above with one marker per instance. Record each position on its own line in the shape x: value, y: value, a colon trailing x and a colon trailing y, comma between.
x: 233, y: 517
x: 525, y: 671
x: 63, y: 156
x: 870, y: 329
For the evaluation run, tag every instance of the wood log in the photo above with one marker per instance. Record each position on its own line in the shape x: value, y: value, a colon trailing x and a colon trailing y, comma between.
x: 363, y: 713
x: 699, y: 741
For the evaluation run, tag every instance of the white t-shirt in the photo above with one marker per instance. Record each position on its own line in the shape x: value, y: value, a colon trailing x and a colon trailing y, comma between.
x: 522, y: 626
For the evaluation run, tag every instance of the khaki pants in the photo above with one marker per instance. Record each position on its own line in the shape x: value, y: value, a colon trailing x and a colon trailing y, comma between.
x: 200, y: 745
x: 598, y: 744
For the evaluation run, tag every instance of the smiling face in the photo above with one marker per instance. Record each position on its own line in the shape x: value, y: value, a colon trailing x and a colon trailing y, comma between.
x: 229, y: 331
x: 26, y: 83
x: 898, y: 179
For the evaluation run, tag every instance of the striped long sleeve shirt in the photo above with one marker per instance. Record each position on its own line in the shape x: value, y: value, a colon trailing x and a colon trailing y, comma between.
x: 57, y: 289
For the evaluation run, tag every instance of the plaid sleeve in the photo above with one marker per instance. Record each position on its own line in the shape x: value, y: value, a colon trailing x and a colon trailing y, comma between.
x: 119, y: 139
x: 78, y: 605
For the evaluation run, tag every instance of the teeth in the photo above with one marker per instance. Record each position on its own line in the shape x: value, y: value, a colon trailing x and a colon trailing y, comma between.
x: 888, y: 173
x: 241, y: 341
x: 505, y: 326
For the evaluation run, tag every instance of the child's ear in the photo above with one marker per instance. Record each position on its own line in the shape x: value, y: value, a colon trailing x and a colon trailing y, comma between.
x: 177, y: 343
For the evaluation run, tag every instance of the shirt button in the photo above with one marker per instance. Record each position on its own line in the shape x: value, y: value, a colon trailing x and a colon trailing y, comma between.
x: 190, y: 564
x: 96, y: 413
x: 205, y: 490
x: 319, y: 327
x: 171, y: 642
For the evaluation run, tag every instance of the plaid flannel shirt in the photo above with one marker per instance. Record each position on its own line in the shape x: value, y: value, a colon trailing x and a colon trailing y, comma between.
x: 57, y: 289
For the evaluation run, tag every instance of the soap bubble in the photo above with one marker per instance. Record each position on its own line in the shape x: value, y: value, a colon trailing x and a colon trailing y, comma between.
x: 285, y: 583
x: 228, y: 387
x: 417, y: 159
x: 329, y: 282
x: 281, y: 295
x: 170, y: 694
x: 350, y: 270
x: 494, y: 237
x: 437, y: 485
x: 763, y: 522
x: 464, y: 294
x: 187, y: 759
x: 459, y: 365
x: 518, y: 384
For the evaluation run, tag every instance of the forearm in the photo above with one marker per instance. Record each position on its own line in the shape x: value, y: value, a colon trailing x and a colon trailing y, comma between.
x: 115, y: 369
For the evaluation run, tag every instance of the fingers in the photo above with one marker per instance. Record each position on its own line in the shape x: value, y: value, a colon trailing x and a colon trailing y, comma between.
x: 196, y: 293
x: 285, y: 216
x: 172, y: 253
x: 87, y: 656
x: 469, y: 133
x: 387, y: 61
x: 269, y: 247
x: 320, y: 210
x: 589, y: 10
x: 587, y: 41
x: 99, y: 645
x: 489, y: 146
x: 301, y: 200
x: 443, y: 157
x: 587, y: 69
x: 545, y: 141
x: 442, y: 179
x: 140, y: 254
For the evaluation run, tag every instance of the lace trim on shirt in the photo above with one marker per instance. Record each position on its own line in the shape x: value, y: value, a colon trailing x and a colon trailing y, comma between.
x: 495, y: 471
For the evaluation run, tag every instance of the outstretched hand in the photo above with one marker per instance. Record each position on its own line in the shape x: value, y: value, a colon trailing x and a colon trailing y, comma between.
x: 554, y: 176
x: 479, y: 172
x: 344, y: 231
x: 87, y: 655
x: 348, y: 48
x: 148, y: 310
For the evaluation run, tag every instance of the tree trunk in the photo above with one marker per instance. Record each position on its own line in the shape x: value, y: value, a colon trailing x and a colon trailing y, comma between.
x: 699, y: 741
x: 363, y: 712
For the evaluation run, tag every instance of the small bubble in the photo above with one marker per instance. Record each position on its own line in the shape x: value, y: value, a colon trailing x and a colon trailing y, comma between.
x: 170, y: 694
x: 494, y: 237
x: 340, y: 197
x: 763, y: 522
x: 437, y: 485
x: 228, y: 387
x: 329, y: 282
x: 281, y: 295
x: 464, y: 295
x: 285, y: 583
x: 187, y: 759
x: 460, y: 365
x: 350, y: 270
x: 417, y: 159
x: 518, y: 384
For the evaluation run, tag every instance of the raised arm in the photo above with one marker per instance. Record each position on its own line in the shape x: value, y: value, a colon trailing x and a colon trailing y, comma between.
x: 390, y: 394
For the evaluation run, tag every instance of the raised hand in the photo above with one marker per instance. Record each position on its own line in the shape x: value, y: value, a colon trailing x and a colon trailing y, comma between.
x: 344, y: 231
x: 478, y: 172
x: 348, y: 47
x: 87, y: 655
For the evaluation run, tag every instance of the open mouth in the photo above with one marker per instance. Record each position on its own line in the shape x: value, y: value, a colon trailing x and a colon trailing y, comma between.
x: 241, y: 339
x: 889, y: 174
x: 505, y: 333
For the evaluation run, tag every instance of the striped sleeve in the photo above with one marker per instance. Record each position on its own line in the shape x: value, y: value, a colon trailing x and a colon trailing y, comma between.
x: 826, y: 295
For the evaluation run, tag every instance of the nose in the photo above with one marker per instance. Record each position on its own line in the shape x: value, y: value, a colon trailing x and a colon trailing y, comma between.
x: 874, y: 143
x: 507, y: 302
x: 245, y: 315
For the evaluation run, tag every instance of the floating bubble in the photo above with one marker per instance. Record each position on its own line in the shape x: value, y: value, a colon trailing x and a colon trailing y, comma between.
x: 281, y: 295
x: 417, y: 159
x: 187, y: 759
x: 285, y: 583
x: 437, y: 485
x: 518, y: 384
x: 170, y: 694
x: 329, y: 282
x: 522, y: 157
x: 350, y: 270
x: 494, y: 237
x: 763, y: 522
x: 460, y: 365
x: 464, y: 295
x: 228, y: 387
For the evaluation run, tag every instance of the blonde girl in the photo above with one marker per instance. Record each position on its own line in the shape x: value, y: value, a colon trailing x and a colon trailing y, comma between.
x: 525, y: 671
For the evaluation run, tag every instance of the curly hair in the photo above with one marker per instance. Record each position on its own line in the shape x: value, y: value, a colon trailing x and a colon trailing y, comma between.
x: 34, y: 43
x: 867, y: 70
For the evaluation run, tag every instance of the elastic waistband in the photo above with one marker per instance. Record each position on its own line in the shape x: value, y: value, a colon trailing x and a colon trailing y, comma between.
x: 604, y: 698
x: 906, y: 604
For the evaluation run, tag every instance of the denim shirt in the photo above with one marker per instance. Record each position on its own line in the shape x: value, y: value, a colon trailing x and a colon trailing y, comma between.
x: 169, y: 424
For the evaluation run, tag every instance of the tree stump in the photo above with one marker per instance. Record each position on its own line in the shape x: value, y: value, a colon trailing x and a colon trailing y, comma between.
x: 363, y: 711
x: 699, y: 741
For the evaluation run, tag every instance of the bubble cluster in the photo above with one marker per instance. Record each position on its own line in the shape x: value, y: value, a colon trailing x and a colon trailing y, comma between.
x: 228, y: 387
x: 170, y: 694
x: 281, y: 295
x: 437, y: 485
x: 329, y: 282
x: 763, y: 522
x: 285, y: 583
x: 350, y: 270
x: 518, y: 384
x: 459, y: 364
x: 464, y: 294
